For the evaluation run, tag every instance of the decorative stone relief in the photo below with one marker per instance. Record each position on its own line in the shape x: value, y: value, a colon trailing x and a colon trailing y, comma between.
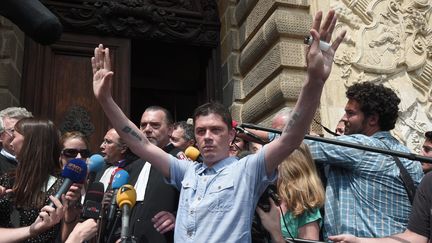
x: 388, y: 42
x: 77, y: 118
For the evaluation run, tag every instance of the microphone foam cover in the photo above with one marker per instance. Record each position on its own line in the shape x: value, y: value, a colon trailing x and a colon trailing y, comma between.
x: 192, y: 153
x: 75, y: 170
x: 126, y: 195
x: 95, y: 192
x: 121, y: 177
x: 96, y: 163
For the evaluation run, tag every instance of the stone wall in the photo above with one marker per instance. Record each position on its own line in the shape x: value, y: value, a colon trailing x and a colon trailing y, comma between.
x: 388, y: 41
x: 11, y: 61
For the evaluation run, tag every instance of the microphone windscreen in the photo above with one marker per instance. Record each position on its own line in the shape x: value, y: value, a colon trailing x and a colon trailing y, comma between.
x: 96, y: 163
x: 126, y: 195
x: 75, y: 170
x: 192, y: 153
x: 121, y: 177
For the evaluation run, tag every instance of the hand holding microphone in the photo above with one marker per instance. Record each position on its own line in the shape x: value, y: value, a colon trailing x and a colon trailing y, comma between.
x: 75, y: 171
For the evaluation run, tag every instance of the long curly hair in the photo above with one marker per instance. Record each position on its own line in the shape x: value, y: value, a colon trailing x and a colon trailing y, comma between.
x: 299, y: 185
x: 376, y: 99
x: 37, y: 160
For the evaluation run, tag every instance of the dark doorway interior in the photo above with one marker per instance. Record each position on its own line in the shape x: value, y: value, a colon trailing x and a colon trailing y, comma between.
x: 169, y: 75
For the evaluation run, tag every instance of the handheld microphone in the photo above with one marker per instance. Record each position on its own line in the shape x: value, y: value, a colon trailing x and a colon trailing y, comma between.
x: 95, y: 164
x: 33, y: 18
x: 324, y: 46
x: 121, y: 177
x: 75, y: 171
x: 93, y: 201
x: 192, y: 153
x: 126, y: 199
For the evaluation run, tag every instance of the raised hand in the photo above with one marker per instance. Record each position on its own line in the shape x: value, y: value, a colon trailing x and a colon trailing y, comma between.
x: 102, y: 74
x: 320, y: 62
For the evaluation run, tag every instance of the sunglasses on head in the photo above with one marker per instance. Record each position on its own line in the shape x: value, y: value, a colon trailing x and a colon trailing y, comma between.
x: 72, y: 153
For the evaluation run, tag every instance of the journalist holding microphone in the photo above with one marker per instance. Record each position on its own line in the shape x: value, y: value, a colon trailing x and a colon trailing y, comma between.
x: 28, y: 188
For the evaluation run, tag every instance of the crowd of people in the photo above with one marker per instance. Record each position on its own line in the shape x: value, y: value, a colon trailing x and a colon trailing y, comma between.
x: 244, y: 180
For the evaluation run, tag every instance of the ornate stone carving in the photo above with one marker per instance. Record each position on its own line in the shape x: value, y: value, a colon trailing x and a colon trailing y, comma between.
x: 192, y: 21
x: 389, y: 42
x: 77, y: 118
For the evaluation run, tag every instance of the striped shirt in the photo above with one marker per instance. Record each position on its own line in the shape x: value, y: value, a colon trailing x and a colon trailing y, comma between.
x: 365, y: 195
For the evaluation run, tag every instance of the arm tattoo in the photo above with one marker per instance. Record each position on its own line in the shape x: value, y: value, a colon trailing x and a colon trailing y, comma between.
x: 293, y: 119
x: 127, y: 129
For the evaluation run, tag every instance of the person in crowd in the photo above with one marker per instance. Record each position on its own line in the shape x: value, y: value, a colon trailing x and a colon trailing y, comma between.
x: 153, y: 217
x: 426, y: 150
x: 254, y: 147
x: 419, y: 225
x: 340, y: 127
x: 365, y: 195
x: 302, y: 195
x: 217, y: 201
x: 182, y: 136
x: 75, y: 145
x: 8, y: 119
x: 237, y: 146
x: 37, y: 148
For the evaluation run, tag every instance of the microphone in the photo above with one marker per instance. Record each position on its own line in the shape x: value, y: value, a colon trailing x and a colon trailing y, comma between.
x: 75, y: 171
x: 192, y: 153
x: 93, y: 201
x: 33, y: 18
x: 126, y: 199
x: 96, y: 163
x: 121, y: 177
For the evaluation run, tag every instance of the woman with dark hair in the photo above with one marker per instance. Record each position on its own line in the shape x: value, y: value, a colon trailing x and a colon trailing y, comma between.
x: 36, y: 144
x: 75, y: 145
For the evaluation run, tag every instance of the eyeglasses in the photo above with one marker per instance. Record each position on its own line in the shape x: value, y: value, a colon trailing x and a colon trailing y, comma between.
x: 73, y: 153
x: 9, y: 131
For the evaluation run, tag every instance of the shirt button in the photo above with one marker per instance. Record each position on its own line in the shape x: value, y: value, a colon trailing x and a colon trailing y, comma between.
x: 219, y: 187
x: 199, y: 198
x: 191, y: 212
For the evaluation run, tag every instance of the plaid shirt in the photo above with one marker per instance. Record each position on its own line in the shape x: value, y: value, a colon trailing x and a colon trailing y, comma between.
x: 365, y: 195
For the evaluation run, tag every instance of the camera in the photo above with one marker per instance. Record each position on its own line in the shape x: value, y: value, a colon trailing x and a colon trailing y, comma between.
x: 264, y: 203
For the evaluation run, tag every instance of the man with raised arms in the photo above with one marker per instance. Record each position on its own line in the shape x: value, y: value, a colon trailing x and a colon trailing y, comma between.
x: 218, y: 197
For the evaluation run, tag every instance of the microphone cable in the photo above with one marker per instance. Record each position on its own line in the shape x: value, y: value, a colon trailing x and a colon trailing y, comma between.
x: 326, y: 128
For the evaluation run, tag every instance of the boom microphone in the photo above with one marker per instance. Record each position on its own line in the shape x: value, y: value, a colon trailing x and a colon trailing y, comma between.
x: 93, y: 201
x: 75, y: 171
x: 126, y: 199
x: 32, y: 17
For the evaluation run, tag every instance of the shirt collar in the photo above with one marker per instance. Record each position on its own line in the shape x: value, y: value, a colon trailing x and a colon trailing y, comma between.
x: 219, y: 166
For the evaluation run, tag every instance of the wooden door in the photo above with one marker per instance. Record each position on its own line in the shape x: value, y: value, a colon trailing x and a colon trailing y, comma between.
x: 57, y: 82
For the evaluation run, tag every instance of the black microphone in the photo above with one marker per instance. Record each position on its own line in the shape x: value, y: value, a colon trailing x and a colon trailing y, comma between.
x: 33, y: 18
x: 75, y: 171
x: 93, y: 201
x: 126, y: 199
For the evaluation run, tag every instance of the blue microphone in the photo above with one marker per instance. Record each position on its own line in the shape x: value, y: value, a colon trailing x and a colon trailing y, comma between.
x: 95, y: 164
x: 75, y: 171
x: 121, y: 178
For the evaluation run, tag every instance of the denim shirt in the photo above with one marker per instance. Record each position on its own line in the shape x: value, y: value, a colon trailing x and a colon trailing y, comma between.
x: 217, y: 203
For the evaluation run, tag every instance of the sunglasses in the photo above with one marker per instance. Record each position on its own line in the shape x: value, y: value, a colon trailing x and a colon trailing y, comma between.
x: 73, y: 153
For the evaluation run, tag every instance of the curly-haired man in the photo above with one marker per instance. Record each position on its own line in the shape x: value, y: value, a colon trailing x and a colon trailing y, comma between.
x: 365, y: 195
